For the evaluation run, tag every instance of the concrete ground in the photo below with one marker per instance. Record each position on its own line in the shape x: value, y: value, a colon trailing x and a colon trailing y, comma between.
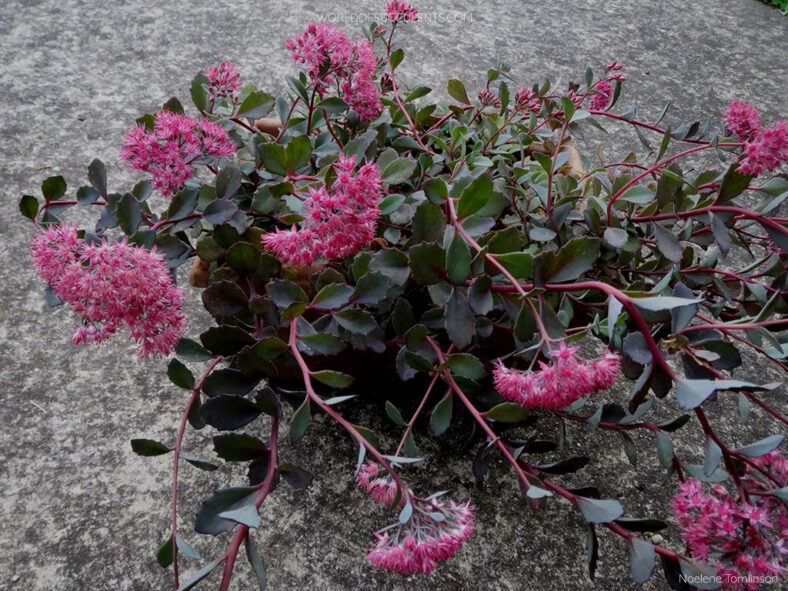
x: 78, y: 509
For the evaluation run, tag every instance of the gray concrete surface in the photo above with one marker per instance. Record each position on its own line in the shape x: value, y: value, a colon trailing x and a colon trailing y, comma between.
x: 78, y: 510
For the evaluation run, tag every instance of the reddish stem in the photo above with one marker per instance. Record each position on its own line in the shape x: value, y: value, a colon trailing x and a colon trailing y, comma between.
x: 734, y: 326
x: 176, y: 456
x: 647, y: 172
x: 478, y: 416
x: 655, y: 128
x: 488, y: 257
x: 397, y: 98
x: 306, y: 374
x: 766, y: 407
x: 412, y: 420
x: 743, y: 213
x: 265, y: 487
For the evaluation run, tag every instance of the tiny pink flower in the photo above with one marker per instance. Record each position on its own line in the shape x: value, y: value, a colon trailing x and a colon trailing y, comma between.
x: 224, y: 81
x: 742, y: 119
x: 488, y: 99
x: 397, y: 11
x: 525, y: 100
x: 382, y: 489
x: 604, y: 93
x: 766, y: 151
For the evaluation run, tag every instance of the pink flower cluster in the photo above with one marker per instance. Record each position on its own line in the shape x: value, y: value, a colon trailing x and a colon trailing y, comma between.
x: 488, y: 99
x: 339, y: 221
x: 112, y: 285
x: 168, y: 151
x: 603, y: 90
x: 525, y: 100
x: 383, y: 490
x: 576, y: 98
x: 557, y: 385
x: 740, y: 537
x: 224, y: 81
x: 604, y: 93
x: 766, y: 151
x: 434, y: 533
x: 742, y: 119
x: 397, y: 11
x: 613, y: 71
x: 331, y: 58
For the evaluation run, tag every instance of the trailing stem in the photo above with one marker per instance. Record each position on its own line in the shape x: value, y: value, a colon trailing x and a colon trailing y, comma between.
x: 176, y: 457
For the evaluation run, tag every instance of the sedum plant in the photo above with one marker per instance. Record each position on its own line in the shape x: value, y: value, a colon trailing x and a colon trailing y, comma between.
x: 353, y: 229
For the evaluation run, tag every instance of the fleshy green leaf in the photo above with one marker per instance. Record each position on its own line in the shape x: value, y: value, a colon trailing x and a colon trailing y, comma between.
x: 180, y: 375
x: 507, y: 412
x: 53, y: 188
x: 28, y: 206
x: 297, y: 153
x: 200, y: 575
x: 441, y: 416
x: 335, y: 379
x: 598, y: 510
x: 475, y: 196
x: 208, y: 520
x: 394, y: 414
x: 256, y: 105
x: 246, y: 515
x: 228, y: 413
x: 573, y: 259
x: 300, y: 422
x: 458, y: 260
x: 238, y: 447
x: 253, y: 556
x: 149, y: 447
x: 398, y: 171
x: 332, y: 296
x: 642, y: 559
x: 457, y: 91
x: 761, y: 447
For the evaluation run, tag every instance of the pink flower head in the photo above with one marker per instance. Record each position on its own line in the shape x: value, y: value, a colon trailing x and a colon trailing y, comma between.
x: 525, y: 100
x: 382, y: 489
x: 112, y: 285
x: 168, y: 151
x: 331, y: 57
x: 558, y: 384
x: 604, y: 93
x: 738, y: 537
x: 434, y: 533
x: 766, y: 151
x: 359, y: 89
x: 606, y: 371
x: 339, y: 222
x: 223, y: 81
x: 55, y: 249
x: 397, y: 11
x: 488, y: 99
x: 742, y: 119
